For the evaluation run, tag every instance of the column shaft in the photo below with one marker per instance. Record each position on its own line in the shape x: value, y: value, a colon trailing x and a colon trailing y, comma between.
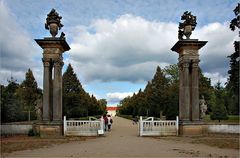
x: 181, y: 98
x: 186, y: 93
x: 195, y: 92
x: 57, y: 91
x: 46, y: 91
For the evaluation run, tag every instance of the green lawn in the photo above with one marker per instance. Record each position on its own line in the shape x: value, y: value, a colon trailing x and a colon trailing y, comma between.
x: 231, y: 119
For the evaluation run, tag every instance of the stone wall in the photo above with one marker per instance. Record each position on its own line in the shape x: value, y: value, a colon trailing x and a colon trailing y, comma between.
x: 15, y: 128
x: 234, y: 129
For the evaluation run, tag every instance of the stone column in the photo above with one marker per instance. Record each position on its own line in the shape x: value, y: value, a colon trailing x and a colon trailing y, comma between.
x: 46, y: 90
x: 186, y: 92
x: 57, y: 90
x: 181, y: 99
x: 195, y: 91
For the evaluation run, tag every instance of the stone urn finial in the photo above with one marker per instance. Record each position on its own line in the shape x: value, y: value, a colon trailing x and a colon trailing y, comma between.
x: 53, y: 23
x: 187, y: 26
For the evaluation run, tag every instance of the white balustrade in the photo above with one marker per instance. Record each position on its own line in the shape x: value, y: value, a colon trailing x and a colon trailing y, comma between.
x: 82, y: 127
x: 157, y: 128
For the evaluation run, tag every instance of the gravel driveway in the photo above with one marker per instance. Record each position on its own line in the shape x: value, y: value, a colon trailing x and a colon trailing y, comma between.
x: 123, y: 141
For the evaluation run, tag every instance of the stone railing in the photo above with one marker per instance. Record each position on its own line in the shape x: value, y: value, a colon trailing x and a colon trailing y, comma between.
x: 149, y: 127
x: 83, y: 127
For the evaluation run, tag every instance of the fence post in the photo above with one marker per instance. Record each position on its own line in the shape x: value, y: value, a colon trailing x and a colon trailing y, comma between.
x: 102, y: 124
x: 140, y: 126
x: 177, y: 122
x: 64, y: 125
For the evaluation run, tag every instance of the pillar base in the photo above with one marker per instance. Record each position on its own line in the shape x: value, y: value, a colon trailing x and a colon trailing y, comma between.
x: 50, y: 129
x: 191, y: 128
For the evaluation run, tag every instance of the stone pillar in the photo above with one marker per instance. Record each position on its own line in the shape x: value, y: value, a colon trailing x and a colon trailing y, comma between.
x: 57, y: 91
x: 46, y: 90
x: 189, y: 85
x: 195, y: 91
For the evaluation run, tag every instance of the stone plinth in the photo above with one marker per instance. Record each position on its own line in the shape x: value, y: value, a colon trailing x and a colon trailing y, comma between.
x: 50, y: 129
x: 189, y: 112
x: 191, y: 129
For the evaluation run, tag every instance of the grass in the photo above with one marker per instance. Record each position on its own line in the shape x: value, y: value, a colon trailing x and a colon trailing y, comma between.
x: 231, y: 119
x: 227, y: 141
x: 23, y: 142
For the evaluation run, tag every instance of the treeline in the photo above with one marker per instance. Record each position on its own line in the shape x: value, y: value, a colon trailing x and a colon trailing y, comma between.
x: 76, y: 101
x: 161, y: 95
x: 20, y: 102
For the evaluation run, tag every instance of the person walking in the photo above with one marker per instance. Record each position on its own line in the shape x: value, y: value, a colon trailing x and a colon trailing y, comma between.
x: 110, y: 121
x: 105, y: 122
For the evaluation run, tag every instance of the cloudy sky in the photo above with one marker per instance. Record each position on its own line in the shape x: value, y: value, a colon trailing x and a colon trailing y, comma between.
x: 116, y: 45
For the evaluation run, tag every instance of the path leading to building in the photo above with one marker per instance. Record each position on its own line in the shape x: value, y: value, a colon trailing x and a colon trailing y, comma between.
x: 123, y: 141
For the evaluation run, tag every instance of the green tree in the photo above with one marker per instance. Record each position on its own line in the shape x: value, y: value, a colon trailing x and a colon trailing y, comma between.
x: 206, y: 90
x: 29, y: 93
x: 235, y: 23
x: 10, y: 106
x: 73, y: 94
x: 232, y: 84
x: 156, y: 93
x: 76, y: 102
x: 219, y: 111
x: 102, y: 106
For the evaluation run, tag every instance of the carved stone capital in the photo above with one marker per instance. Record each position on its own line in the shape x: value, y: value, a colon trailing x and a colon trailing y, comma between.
x: 186, y: 65
x: 58, y: 63
x: 46, y: 62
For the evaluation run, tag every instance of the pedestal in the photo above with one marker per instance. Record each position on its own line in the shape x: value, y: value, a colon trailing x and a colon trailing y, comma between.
x: 49, y: 129
x: 191, y: 128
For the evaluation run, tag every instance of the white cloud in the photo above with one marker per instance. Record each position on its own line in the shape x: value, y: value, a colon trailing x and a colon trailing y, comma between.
x: 117, y: 96
x: 216, y: 77
x: 16, y: 48
x: 130, y: 48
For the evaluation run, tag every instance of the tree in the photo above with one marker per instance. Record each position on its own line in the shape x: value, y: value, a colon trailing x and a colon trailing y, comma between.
x: 10, y: 106
x: 235, y: 23
x: 156, y: 93
x: 29, y: 93
x: 219, y: 111
x: 233, y: 80
x: 206, y: 90
x: 76, y: 102
x: 72, y: 94
x: 102, y: 106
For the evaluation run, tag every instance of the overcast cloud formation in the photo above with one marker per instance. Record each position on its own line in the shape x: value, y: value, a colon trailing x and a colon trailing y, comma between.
x: 16, y: 49
x: 114, y: 42
x: 130, y: 48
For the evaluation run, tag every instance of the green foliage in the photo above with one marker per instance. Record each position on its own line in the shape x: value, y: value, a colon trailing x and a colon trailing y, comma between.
x: 28, y: 93
x: 76, y: 102
x: 233, y: 81
x: 162, y: 94
x: 10, y: 106
x: 206, y: 90
x: 219, y: 111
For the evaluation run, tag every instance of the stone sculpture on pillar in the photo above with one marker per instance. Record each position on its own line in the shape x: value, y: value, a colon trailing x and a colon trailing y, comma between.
x: 53, y: 48
x: 188, y: 70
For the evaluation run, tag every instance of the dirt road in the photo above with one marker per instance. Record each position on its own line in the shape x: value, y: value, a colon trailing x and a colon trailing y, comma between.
x: 123, y: 141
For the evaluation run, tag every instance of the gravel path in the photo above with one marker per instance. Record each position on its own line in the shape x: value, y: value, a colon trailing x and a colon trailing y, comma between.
x: 123, y: 141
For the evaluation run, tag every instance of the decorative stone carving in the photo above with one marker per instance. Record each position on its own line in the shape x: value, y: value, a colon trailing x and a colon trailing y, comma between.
x: 203, y: 107
x: 186, y: 27
x: 53, y: 22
